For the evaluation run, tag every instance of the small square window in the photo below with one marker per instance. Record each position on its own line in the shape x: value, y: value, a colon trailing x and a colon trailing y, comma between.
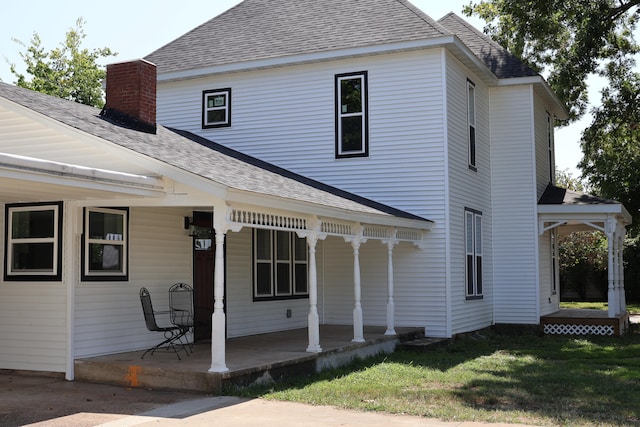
x: 105, y: 244
x: 216, y: 108
x: 33, y: 242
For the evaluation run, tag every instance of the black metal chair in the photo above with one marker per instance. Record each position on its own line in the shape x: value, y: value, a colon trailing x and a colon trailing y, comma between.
x: 181, y: 309
x: 171, y: 333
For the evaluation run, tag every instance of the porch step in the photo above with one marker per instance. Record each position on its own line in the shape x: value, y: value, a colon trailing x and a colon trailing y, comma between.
x: 423, y: 344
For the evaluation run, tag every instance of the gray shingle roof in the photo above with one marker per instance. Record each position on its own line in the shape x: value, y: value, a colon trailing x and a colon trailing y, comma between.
x: 560, y: 196
x: 502, y: 63
x: 263, y: 29
x: 199, y: 156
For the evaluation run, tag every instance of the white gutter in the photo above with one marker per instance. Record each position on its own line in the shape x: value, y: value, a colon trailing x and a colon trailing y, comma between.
x: 31, y: 164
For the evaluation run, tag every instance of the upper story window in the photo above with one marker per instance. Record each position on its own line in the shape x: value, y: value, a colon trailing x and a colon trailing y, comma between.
x: 216, y: 108
x: 473, y: 249
x: 552, y: 169
x: 33, y: 242
x: 351, y: 115
x: 279, y: 265
x: 105, y: 244
x: 471, y: 123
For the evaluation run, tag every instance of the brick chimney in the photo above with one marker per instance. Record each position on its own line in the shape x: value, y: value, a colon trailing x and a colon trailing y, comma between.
x: 131, y: 94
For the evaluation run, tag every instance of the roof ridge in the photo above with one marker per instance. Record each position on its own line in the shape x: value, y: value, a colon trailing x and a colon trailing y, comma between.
x: 426, y: 18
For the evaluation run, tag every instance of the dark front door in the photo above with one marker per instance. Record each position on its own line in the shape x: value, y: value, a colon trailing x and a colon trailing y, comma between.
x: 203, y: 266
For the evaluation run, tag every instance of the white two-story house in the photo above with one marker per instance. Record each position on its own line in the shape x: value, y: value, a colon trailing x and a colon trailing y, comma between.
x: 304, y: 163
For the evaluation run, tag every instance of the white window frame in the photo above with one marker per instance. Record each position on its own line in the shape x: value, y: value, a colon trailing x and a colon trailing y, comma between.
x: 53, y: 274
x: 471, y: 126
x: 226, y: 92
x: 473, y: 254
x: 114, y: 239
x: 274, y: 261
x: 342, y: 114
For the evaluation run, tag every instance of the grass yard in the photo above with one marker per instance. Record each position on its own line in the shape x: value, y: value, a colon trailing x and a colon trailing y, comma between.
x: 486, y: 376
x: 633, y: 308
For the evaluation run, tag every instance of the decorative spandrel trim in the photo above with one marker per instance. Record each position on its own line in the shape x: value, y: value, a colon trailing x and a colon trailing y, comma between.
x: 239, y: 217
x: 267, y: 220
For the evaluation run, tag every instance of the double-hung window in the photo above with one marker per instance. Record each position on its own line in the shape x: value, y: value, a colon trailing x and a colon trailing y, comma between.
x: 216, y: 108
x: 471, y: 123
x: 473, y: 248
x: 105, y: 244
x: 33, y: 242
x: 279, y: 265
x: 351, y: 115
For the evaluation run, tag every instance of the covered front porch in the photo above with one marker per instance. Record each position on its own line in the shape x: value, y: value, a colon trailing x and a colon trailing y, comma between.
x: 562, y: 211
x: 251, y: 359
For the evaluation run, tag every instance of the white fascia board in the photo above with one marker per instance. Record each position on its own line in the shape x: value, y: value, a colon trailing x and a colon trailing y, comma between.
x: 307, y: 58
x: 578, y: 209
x: 75, y: 182
x: 65, y: 170
x: 279, y: 203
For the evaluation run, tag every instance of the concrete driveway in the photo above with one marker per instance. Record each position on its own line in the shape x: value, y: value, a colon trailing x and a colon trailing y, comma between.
x: 53, y: 402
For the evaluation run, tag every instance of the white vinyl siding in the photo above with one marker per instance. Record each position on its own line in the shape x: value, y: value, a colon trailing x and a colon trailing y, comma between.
x: 542, y: 153
x: 297, y: 132
x: 515, y: 245
x: 108, y: 314
x: 468, y: 189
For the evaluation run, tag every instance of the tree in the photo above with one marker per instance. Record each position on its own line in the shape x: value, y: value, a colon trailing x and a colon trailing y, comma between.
x: 68, y: 72
x: 611, y: 144
x: 567, y: 40
x: 565, y: 179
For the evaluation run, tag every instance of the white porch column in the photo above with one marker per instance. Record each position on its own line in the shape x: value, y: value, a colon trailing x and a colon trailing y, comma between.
x: 218, y: 319
x: 358, y: 325
x: 313, y: 235
x: 622, y: 297
x: 612, y: 296
x: 390, y: 304
x: 314, y: 319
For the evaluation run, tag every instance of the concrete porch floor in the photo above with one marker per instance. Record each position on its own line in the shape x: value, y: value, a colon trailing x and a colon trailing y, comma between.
x: 250, y: 359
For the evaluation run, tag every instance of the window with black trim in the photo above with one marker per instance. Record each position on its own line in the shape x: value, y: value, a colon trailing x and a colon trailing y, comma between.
x: 105, y: 244
x: 471, y: 123
x: 33, y: 243
x: 352, y: 134
x: 279, y: 265
x: 216, y: 108
x: 473, y: 249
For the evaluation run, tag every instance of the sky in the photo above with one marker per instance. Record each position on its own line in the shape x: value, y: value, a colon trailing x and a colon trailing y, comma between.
x: 135, y: 28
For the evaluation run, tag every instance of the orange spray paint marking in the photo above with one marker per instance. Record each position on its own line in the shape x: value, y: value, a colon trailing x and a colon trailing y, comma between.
x: 132, y: 375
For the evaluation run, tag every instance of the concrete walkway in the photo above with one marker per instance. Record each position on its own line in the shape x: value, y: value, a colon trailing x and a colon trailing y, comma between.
x: 231, y: 411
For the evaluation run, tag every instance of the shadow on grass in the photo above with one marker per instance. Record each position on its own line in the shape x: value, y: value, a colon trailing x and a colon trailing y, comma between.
x: 552, y: 379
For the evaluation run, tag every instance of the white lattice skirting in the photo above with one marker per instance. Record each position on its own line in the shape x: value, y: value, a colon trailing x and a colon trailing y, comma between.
x: 560, y: 329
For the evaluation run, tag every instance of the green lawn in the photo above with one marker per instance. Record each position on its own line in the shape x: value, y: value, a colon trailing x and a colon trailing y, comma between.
x: 633, y: 308
x: 485, y: 376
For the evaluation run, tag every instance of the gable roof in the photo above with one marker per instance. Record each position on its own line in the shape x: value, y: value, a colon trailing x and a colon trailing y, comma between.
x: 263, y: 29
x: 501, y: 62
x: 199, y: 156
